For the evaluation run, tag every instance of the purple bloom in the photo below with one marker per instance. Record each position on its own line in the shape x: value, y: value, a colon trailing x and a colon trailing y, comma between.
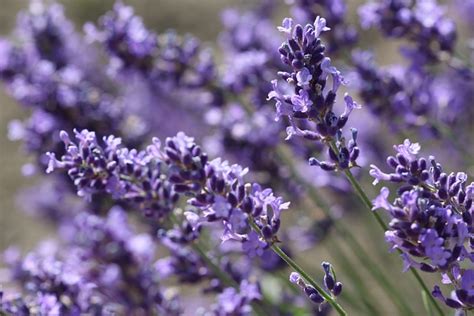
x: 303, y: 77
x: 294, y: 277
x: 301, y: 102
x: 155, y: 179
x: 309, y: 107
x: 434, y: 247
x: 253, y: 246
x: 381, y: 201
x: 431, y: 217
x: 421, y: 22
x: 286, y: 26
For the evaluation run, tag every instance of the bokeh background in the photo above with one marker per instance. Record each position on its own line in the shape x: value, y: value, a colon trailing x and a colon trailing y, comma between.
x: 199, y: 17
x: 202, y: 19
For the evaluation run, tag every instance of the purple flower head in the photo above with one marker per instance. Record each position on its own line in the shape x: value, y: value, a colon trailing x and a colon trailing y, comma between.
x: 125, y: 36
x: 303, y: 77
x: 408, y: 150
x: 253, y: 246
x: 309, y: 106
x: 154, y: 180
x: 320, y: 26
x: 423, y: 23
x: 430, y: 218
x: 301, y: 102
x: 286, y: 26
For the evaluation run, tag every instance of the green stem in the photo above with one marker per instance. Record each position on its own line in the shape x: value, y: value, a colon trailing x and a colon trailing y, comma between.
x: 366, y: 201
x: 224, y: 277
x: 308, y: 279
x: 355, y: 246
x: 356, y: 279
x: 328, y: 297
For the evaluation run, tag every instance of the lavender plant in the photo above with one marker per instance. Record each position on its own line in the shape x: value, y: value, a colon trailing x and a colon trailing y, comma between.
x: 144, y: 226
x: 431, y: 220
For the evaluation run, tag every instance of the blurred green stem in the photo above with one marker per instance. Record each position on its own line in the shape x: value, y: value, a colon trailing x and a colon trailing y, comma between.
x: 219, y: 273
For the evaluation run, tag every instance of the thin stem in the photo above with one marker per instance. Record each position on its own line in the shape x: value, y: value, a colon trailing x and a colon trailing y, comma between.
x: 366, y: 201
x: 328, y: 297
x: 224, y: 277
x: 357, y: 282
x: 355, y: 246
x: 305, y: 276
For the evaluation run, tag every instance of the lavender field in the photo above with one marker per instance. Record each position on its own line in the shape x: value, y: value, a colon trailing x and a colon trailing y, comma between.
x: 260, y: 157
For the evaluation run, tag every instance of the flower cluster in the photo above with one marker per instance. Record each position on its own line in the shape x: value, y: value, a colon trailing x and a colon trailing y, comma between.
x: 164, y: 59
x: 311, y: 101
x: 422, y: 22
x: 209, y: 226
x: 236, y: 301
x: 431, y: 219
x: 127, y: 175
x: 47, y: 74
x: 104, y: 268
x: 396, y: 92
x: 216, y: 188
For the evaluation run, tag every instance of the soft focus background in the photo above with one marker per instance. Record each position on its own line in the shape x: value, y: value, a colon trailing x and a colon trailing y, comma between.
x: 201, y: 18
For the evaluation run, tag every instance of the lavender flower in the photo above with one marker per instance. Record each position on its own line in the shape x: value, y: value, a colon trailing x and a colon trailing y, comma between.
x: 105, y: 267
x: 127, y: 175
x: 422, y: 22
x: 217, y: 189
x: 47, y: 33
x: 46, y: 73
x: 166, y: 59
x: 399, y: 95
x: 236, y: 302
x: 310, y: 100
x: 126, y: 38
x: 431, y: 218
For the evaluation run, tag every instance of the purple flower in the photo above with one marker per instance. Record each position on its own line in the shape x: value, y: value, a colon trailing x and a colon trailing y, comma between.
x: 309, y: 107
x: 294, y: 277
x: 286, y: 26
x: 304, y: 77
x: 381, y: 201
x: 434, y: 247
x: 253, y: 246
x: 429, y: 218
x: 320, y: 26
x: 301, y: 102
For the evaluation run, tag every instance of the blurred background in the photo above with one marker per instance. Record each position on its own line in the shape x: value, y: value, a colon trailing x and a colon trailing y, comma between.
x: 202, y: 19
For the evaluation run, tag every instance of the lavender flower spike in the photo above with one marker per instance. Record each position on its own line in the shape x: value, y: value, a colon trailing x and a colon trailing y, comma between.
x: 311, y: 100
x: 432, y: 220
x: 154, y: 180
